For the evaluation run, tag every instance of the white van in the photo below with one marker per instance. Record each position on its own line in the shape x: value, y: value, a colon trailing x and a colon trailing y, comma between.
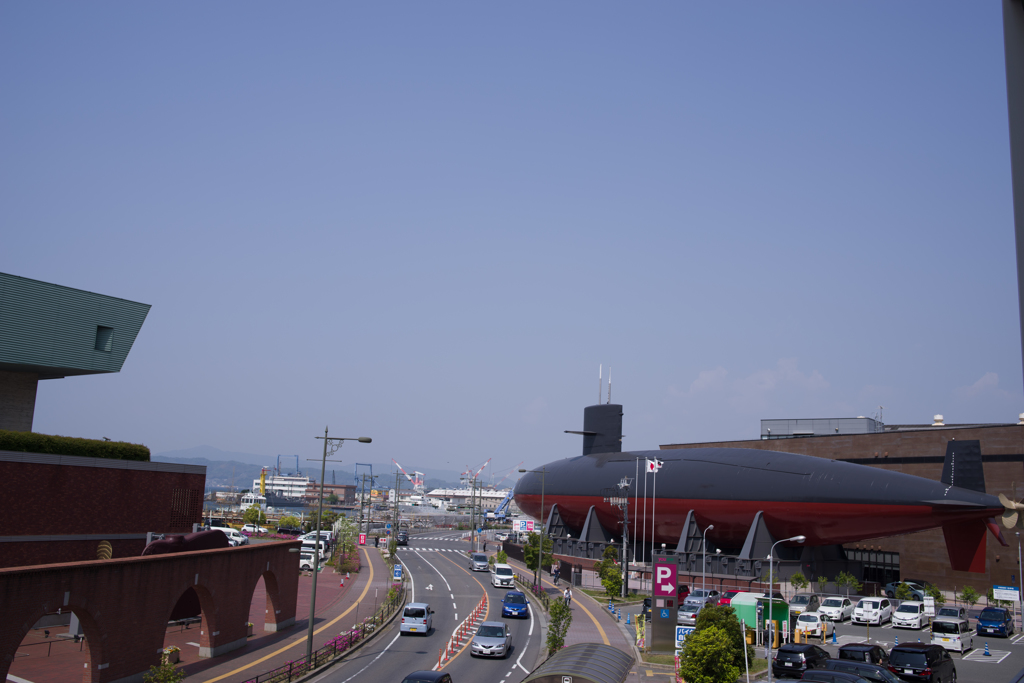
x: 235, y: 537
x: 910, y: 614
x: 417, y: 618
x: 952, y: 634
x: 311, y: 545
x: 502, y: 576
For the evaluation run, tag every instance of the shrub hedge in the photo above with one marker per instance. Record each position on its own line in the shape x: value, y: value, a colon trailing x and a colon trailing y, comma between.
x: 30, y: 442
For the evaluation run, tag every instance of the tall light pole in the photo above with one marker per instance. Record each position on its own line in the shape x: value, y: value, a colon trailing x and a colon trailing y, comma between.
x: 771, y: 598
x: 704, y: 567
x: 335, y: 443
x: 542, y: 472
x: 621, y: 501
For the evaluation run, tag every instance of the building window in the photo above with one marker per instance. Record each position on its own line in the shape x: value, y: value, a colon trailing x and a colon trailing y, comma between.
x: 104, y: 338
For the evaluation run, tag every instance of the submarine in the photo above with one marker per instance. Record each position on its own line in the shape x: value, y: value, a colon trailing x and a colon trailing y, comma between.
x: 744, y: 491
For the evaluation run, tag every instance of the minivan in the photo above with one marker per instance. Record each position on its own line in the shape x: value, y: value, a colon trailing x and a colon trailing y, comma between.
x: 310, y: 546
x: 478, y: 562
x: 503, y: 576
x: 417, y: 618
x: 864, y: 652
x: 952, y: 634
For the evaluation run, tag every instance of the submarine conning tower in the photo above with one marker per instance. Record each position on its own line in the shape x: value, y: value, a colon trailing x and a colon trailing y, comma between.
x: 602, y: 429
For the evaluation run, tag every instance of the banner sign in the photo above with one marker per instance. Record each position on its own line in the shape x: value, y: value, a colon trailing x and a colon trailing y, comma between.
x: 362, y: 539
x: 524, y: 525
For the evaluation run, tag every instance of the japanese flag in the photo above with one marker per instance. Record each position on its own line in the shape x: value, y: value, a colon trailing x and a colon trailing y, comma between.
x: 653, y: 465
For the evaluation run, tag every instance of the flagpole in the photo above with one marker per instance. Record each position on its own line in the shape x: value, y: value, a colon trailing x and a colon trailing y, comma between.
x: 645, y: 511
x: 654, y: 503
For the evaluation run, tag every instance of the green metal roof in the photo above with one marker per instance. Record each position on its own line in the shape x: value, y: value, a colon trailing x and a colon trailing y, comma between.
x: 59, y: 331
x: 584, y: 663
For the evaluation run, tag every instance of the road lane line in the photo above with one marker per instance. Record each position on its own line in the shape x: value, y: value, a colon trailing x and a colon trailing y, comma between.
x: 302, y: 639
x: 439, y: 574
x: 379, y: 655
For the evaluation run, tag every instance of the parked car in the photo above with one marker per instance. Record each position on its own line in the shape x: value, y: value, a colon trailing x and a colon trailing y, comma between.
x: 864, y: 652
x: 313, y: 546
x: 515, y: 604
x: 922, y: 662
x: 793, y: 659
x: 253, y: 529
x: 502, y: 576
x: 837, y: 608
x: 682, y: 592
x: 728, y: 596
x: 997, y: 621
x: 823, y: 676
x: 306, y: 562
x: 804, y: 602
x: 916, y: 590
x: 910, y: 614
x: 289, y: 531
x: 955, y: 612
x: 492, y: 639
x: 478, y: 562
x: 872, y: 611
x: 686, y: 614
x: 874, y: 673
x: 428, y: 677
x: 814, y: 624
x: 704, y: 594
x: 417, y: 618
x: 952, y: 634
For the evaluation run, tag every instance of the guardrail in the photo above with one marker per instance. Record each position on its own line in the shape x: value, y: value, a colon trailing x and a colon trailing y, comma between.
x: 536, y: 591
x: 335, y: 647
x: 463, y: 632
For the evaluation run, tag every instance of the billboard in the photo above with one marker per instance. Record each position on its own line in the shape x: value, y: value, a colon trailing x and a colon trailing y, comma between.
x: 524, y: 525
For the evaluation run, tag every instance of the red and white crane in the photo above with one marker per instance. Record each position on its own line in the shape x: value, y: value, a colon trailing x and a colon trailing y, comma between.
x: 514, y: 469
x: 417, y: 481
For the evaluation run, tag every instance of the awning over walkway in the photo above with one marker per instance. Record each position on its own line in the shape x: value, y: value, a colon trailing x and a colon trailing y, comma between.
x: 584, y: 663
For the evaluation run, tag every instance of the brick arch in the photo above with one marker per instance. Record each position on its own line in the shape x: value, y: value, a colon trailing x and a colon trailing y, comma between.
x: 93, y: 632
x: 208, y: 610
x: 274, y: 601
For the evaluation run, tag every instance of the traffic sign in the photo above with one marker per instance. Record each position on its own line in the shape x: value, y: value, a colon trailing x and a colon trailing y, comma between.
x: 681, y: 633
x: 398, y: 572
x: 1005, y: 593
x: 362, y: 539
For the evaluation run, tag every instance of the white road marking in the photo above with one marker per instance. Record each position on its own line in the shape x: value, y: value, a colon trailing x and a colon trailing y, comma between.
x: 381, y: 654
x: 438, y: 573
x: 978, y: 655
x: 15, y: 679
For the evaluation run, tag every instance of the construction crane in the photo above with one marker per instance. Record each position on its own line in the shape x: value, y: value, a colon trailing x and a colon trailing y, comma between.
x: 507, y: 474
x: 470, y: 470
x: 417, y: 482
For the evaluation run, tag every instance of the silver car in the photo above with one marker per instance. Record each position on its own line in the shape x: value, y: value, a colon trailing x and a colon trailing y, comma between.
x: 687, y: 612
x: 492, y: 639
x: 478, y: 562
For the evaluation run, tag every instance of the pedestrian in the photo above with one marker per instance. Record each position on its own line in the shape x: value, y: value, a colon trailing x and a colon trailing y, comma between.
x: 485, y: 546
x: 569, y: 591
x: 556, y: 575
x: 566, y: 596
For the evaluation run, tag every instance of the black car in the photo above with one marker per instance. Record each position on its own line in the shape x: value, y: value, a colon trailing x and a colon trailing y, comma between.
x: 824, y: 676
x: 864, y: 652
x: 289, y: 531
x: 428, y: 677
x: 875, y: 673
x: 793, y: 659
x: 645, y: 611
x: 403, y: 538
x: 922, y: 662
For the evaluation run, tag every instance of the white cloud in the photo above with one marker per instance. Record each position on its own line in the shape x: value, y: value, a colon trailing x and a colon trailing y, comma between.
x: 986, y: 386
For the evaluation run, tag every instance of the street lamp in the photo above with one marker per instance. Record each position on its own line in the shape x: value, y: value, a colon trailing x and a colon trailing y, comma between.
x: 1020, y: 580
x: 621, y: 501
x: 542, y: 472
x: 771, y: 598
x: 704, y: 568
x: 335, y: 443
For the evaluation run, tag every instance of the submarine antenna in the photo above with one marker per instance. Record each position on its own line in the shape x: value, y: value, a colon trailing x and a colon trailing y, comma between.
x: 609, y: 384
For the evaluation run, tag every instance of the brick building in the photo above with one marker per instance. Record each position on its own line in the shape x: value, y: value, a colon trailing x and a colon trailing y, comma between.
x: 920, y: 450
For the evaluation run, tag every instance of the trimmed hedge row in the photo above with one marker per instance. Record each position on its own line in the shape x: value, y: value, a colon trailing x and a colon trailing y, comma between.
x: 30, y: 442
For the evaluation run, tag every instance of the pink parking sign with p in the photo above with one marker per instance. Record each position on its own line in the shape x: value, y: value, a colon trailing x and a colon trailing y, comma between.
x: 664, y: 579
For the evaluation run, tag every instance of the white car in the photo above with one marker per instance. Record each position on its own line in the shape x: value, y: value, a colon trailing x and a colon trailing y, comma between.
x: 502, y: 576
x: 254, y: 529
x: 235, y: 537
x: 910, y: 614
x: 306, y: 562
x: 836, y: 608
x: 815, y: 624
x: 872, y: 611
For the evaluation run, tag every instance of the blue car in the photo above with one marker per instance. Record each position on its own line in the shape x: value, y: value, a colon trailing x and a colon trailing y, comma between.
x: 515, y: 604
x: 995, y: 621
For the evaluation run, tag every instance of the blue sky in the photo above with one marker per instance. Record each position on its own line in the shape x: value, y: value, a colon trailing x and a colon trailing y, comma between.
x: 430, y: 222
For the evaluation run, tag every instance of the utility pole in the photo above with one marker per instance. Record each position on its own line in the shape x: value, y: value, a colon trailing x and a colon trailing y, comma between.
x: 398, y: 497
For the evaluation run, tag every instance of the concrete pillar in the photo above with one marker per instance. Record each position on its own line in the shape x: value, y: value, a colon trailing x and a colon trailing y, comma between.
x: 17, y: 400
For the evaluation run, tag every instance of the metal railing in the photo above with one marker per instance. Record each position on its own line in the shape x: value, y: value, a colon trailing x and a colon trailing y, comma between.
x: 335, y: 647
x: 536, y: 591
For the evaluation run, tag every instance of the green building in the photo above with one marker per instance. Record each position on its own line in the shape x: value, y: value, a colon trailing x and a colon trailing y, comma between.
x: 49, y: 331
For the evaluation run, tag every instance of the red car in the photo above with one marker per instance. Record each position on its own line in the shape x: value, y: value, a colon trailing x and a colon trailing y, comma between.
x: 728, y: 596
x: 684, y: 590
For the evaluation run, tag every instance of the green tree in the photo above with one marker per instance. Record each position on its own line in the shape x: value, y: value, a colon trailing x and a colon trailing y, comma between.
x: 392, y: 549
x: 609, y: 571
x: 164, y: 673
x: 531, y: 551
x: 848, y: 581
x: 290, y: 521
x: 708, y: 657
x: 933, y: 591
x: 254, y: 515
x: 501, y: 557
x: 968, y: 595
x: 559, y: 619
x: 724, y: 618
x: 822, y: 582
x: 903, y: 592
x: 799, y: 581
x: 332, y: 499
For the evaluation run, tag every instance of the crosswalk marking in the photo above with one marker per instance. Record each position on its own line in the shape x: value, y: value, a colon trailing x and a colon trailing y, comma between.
x: 978, y: 655
x: 431, y: 550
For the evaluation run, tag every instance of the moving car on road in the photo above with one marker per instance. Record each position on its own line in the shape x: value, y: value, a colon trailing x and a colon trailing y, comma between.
x: 492, y: 639
x: 402, y: 538
x: 428, y: 677
x: 478, y: 562
x: 502, y: 576
x: 515, y: 604
x: 417, y: 618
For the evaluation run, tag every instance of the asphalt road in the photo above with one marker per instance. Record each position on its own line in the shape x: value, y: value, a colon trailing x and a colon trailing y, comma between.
x: 438, y: 568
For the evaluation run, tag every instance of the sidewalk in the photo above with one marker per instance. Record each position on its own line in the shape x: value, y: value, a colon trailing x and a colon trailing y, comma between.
x: 337, y: 609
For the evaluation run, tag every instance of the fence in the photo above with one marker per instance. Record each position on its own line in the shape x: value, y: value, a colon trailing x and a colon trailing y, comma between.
x: 536, y: 591
x: 334, y: 647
